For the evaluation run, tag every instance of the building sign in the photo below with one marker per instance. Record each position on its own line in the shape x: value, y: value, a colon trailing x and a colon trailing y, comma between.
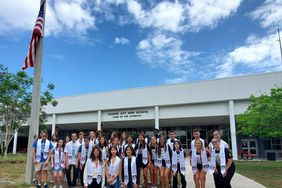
x: 128, y: 115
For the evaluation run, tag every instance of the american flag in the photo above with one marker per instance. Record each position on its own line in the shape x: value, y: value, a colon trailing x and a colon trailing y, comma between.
x: 37, y: 33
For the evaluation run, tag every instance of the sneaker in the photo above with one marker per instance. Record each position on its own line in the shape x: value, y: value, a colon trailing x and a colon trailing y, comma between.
x: 60, y: 186
x: 55, y: 186
x: 38, y: 186
x: 46, y: 186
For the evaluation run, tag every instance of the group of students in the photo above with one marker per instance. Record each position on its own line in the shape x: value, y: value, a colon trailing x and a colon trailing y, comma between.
x: 121, y: 161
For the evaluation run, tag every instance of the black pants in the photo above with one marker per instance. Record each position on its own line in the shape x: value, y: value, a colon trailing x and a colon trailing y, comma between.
x: 81, y: 175
x: 224, y: 182
x: 68, y: 174
x: 94, y: 184
x: 183, y: 180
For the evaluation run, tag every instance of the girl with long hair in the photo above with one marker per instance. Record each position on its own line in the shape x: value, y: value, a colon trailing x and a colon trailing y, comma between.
x: 178, y: 164
x: 199, y: 163
x: 103, y: 147
x: 143, y: 158
x: 129, y: 169
x: 58, y: 164
x: 153, y: 156
x: 93, y: 171
x: 113, y: 169
x: 164, y: 161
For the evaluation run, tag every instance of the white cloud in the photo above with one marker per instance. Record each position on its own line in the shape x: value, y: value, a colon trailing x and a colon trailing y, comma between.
x: 269, y: 14
x: 17, y: 14
x: 121, y: 41
x: 207, y: 13
x: 159, y: 50
x: 62, y: 16
x: 165, y: 15
x: 258, y: 55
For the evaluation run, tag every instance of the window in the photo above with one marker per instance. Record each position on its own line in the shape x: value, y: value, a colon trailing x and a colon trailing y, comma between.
x: 272, y: 144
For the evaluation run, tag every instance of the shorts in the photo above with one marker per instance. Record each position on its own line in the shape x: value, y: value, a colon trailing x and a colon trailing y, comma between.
x: 40, y: 166
x: 60, y: 170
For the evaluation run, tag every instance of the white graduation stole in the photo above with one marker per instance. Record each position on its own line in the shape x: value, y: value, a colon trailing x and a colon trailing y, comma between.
x: 180, y: 160
x: 113, y: 168
x: 83, y: 153
x: 59, y: 159
x: 91, y: 169
x: 166, y: 157
x: 222, y: 161
x: 104, y: 153
x: 133, y: 170
x: 204, y: 160
x: 154, y: 155
x: 144, y: 154
x: 40, y: 150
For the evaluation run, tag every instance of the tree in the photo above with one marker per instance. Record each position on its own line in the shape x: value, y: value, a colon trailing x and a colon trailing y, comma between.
x: 15, y: 103
x: 263, y: 117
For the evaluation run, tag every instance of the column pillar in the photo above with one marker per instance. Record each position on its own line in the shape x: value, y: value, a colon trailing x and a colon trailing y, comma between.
x: 99, y: 120
x: 233, y: 130
x: 53, y: 124
x: 157, y: 122
x: 15, y: 142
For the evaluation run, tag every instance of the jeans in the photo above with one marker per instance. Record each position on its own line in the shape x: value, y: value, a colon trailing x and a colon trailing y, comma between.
x: 115, y: 185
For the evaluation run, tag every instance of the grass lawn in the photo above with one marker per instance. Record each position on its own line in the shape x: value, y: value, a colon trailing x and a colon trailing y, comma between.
x: 268, y: 173
x: 12, y: 171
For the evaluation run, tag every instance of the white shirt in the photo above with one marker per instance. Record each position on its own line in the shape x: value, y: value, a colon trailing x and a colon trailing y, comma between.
x: 71, y: 150
x: 171, y: 143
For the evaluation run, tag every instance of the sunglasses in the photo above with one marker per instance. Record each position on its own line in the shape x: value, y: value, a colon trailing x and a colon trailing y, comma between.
x: 214, y: 142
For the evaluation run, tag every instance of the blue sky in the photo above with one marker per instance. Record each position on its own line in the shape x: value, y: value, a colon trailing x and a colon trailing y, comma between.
x: 102, y: 45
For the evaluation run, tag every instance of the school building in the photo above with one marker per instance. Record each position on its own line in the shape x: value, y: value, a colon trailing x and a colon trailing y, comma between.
x: 208, y: 105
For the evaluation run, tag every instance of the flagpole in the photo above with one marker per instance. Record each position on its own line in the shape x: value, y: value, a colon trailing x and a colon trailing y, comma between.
x: 35, y: 108
x: 279, y: 40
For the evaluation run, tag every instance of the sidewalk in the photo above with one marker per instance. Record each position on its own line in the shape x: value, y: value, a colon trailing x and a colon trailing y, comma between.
x: 238, y: 181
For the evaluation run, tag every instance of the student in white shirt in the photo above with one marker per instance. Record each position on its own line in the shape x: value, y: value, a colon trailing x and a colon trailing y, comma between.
x: 92, y: 138
x: 81, y: 137
x: 71, y: 155
x: 217, y: 135
x: 113, y: 169
x: 58, y: 164
x: 196, y: 135
x: 172, y: 138
x: 94, y: 169
x: 129, y: 142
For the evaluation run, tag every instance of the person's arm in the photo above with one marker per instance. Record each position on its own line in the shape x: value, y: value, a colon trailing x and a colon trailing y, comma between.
x: 33, y: 156
x: 229, y: 161
x: 49, y: 154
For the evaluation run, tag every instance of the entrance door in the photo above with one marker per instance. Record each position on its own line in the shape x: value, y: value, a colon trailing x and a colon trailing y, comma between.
x: 250, y: 146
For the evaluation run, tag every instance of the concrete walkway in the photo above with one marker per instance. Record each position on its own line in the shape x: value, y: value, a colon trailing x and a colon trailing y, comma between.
x: 238, y: 181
